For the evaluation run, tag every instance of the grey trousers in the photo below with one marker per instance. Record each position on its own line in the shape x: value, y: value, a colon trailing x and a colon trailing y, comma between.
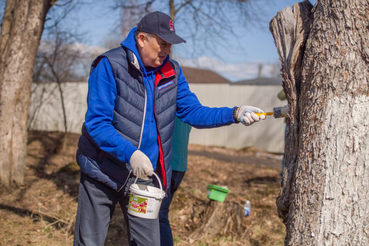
x: 96, y: 204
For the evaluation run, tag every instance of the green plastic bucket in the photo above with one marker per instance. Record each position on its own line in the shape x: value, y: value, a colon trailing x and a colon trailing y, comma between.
x: 217, y: 193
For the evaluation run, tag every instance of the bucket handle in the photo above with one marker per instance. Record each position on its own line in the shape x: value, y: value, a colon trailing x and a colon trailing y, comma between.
x: 161, y: 187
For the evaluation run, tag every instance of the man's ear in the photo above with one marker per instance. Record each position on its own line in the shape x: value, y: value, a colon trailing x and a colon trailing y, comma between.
x: 141, y: 39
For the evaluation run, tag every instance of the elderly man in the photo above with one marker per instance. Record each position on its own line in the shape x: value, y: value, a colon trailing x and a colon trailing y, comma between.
x: 135, y: 91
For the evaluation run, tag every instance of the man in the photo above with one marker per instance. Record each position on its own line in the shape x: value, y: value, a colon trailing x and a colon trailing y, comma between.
x: 135, y: 91
x: 181, y: 135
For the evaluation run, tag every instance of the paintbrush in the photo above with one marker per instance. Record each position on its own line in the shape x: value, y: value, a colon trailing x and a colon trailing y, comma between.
x: 278, y: 112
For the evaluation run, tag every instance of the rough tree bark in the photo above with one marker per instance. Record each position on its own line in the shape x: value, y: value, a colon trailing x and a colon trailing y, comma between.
x: 21, y: 30
x: 325, y: 58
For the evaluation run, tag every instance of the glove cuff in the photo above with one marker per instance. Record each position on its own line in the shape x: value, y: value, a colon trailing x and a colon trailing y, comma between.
x: 235, y: 110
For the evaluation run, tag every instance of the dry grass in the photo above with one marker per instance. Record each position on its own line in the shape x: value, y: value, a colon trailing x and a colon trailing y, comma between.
x: 42, y: 212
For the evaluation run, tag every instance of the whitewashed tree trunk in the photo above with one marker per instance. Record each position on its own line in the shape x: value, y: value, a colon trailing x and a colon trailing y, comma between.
x: 324, y: 198
x: 21, y: 31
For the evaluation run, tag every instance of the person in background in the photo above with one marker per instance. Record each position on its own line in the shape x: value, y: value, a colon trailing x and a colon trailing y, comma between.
x: 134, y: 93
x: 181, y: 136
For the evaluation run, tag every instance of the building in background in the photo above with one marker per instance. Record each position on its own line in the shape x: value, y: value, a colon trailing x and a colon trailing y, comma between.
x: 260, y: 81
x: 203, y: 76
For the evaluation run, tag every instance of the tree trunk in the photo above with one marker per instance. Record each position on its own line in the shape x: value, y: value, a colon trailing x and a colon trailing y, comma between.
x: 217, y: 219
x: 21, y: 30
x: 323, y: 199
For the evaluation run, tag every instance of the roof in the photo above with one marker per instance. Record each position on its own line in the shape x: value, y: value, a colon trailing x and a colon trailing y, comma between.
x: 195, y: 75
x: 260, y: 81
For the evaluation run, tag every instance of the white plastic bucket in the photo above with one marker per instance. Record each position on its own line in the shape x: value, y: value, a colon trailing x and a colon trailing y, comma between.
x: 144, y: 200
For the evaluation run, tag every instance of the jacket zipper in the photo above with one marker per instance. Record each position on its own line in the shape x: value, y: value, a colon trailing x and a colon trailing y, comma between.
x: 140, y: 140
x: 144, y: 115
x: 157, y: 128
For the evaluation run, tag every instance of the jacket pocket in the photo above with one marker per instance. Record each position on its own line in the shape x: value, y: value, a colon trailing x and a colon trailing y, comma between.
x: 114, y: 170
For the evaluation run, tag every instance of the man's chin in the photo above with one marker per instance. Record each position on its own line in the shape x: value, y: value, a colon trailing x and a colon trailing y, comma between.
x: 159, y: 63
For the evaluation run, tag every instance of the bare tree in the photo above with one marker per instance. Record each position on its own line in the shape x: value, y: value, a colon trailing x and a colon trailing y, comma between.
x: 207, y: 23
x: 325, y: 56
x: 58, y: 61
x: 131, y: 11
x: 131, y: 15
x: 21, y: 29
x: 60, y: 47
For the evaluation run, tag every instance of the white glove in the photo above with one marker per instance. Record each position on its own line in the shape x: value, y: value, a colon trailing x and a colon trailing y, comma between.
x: 141, y: 165
x: 246, y: 115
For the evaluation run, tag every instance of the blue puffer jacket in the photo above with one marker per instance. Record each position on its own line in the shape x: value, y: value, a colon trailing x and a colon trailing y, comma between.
x: 131, y: 107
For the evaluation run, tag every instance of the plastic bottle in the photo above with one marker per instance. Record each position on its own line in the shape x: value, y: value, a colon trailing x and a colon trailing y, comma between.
x: 247, y: 208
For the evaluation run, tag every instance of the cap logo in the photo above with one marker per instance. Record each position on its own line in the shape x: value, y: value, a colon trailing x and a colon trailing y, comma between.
x: 171, y: 25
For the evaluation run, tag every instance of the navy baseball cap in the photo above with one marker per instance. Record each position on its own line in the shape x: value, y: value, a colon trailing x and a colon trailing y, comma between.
x: 160, y: 24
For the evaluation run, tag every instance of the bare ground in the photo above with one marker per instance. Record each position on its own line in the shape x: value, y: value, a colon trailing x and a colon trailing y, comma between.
x: 42, y: 211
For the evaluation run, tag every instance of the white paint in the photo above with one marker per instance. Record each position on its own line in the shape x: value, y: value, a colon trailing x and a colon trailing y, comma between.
x: 346, y: 171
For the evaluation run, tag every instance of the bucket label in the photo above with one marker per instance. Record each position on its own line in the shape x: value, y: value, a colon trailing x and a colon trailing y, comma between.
x: 138, y: 204
x: 151, y: 205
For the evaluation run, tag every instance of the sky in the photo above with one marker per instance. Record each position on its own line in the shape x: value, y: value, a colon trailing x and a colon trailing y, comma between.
x: 255, y: 45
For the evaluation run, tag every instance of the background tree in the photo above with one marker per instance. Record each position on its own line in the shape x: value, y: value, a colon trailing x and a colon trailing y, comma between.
x: 21, y: 29
x: 206, y: 23
x: 59, y: 60
x: 324, y: 54
x: 131, y: 11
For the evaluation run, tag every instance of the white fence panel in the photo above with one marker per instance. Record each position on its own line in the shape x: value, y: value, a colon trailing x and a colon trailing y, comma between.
x: 45, y: 113
x: 267, y: 135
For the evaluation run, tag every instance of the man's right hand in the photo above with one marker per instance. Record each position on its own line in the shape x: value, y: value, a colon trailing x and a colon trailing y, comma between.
x: 246, y: 115
x: 141, y: 165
